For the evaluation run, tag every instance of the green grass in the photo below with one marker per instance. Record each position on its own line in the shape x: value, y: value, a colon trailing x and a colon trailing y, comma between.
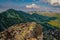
x: 56, y: 22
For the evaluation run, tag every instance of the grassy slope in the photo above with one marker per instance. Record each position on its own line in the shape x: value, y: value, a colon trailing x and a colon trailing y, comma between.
x: 56, y: 22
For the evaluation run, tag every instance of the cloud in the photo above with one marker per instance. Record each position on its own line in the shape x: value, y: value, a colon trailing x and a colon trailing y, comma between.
x: 32, y: 6
x: 55, y: 2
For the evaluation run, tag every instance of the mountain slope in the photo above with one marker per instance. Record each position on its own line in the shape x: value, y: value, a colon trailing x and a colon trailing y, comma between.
x: 55, y: 22
x: 23, y: 31
x: 11, y: 17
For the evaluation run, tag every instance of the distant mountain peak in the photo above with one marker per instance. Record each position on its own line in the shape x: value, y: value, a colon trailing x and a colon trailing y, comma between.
x: 11, y: 9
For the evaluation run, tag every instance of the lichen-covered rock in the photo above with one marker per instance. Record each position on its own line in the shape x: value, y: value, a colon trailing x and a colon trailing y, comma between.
x: 23, y: 31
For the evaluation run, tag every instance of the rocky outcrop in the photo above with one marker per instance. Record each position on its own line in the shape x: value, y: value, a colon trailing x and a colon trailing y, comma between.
x: 23, y: 31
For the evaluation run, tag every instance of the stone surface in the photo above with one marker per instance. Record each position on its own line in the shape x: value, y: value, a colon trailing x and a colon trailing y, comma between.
x: 23, y: 31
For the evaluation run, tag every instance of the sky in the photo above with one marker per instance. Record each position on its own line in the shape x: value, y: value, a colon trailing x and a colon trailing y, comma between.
x: 30, y: 5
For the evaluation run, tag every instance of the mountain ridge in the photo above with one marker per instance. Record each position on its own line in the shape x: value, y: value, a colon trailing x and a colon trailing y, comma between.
x: 13, y: 17
x: 23, y: 31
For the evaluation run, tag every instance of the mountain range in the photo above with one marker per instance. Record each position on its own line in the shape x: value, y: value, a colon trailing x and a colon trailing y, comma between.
x: 12, y: 17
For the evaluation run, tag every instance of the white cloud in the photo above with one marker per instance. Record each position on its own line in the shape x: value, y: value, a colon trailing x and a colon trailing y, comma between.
x: 32, y: 6
x: 53, y: 2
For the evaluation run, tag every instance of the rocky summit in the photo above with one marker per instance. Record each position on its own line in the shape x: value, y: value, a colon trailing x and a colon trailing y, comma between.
x: 23, y: 31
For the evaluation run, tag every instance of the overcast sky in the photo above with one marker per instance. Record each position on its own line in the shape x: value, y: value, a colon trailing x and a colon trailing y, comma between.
x: 31, y: 5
